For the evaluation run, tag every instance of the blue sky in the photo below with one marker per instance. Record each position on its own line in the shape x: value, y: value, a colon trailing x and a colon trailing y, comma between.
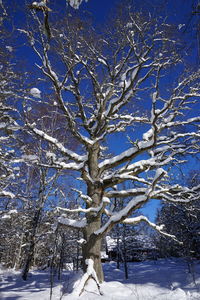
x: 99, y: 8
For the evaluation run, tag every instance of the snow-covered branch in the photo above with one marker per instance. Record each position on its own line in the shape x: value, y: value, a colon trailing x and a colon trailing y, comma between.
x: 177, y: 193
x: 5, y: 193
x: 126, y: 155
x: 80, y: 209
x: 72, y: 155
x: 136, y: 220
x: 126, y: 193
x: 132, y: 205
x: 77, y: 224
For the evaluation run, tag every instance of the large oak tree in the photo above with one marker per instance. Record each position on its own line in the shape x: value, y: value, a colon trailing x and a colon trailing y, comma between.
x: 100, y: 81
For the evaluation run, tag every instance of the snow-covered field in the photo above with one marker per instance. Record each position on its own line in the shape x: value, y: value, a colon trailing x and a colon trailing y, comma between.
x: 158, y: 280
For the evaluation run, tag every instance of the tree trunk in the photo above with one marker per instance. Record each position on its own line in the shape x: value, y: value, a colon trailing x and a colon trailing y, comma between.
x: 18, y: 257
x: 31, y: 249
x: 28, y: 260
x: 77, y: 251
x: 125, y: 252
x: 92, y: 248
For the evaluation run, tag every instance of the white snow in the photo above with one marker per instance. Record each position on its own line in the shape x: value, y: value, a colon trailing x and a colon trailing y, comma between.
x: 7, y: 194
x: 9, y: 48
x: 50, y: 154
x: 39, y: 4
x: 180, y: 26
x: 105, y: 200
x: 80, y: 283
x: 119, y: 157
x: 154, y: 97
x: 101, y: 60
x: 2, y: 125
x: 35, y: 92
x: 85, y: 210
x: 159, y: 172
x: 54, y: 141
x: 30, y: 157
x: 126, y: 154
x: 81, y: 241
x: 5, y: 216
x: 164, y: 279
x: 71, y: 166
x: 148, y: 135
x: 116, y: 217
x: 72, y: 223
x: 75, y: 3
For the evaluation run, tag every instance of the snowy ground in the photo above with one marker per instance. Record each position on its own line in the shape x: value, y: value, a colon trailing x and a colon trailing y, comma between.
x: 158, y: 280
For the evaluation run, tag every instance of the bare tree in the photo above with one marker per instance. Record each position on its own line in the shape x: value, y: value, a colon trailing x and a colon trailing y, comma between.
x: 98, y: 80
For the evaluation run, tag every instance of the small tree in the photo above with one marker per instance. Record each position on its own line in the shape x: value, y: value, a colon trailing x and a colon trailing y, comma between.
x: 98, y: 79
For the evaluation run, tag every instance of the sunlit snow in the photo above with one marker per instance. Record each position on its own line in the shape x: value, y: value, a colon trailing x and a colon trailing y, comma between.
x: 35, y: 92
x: 163, y: 279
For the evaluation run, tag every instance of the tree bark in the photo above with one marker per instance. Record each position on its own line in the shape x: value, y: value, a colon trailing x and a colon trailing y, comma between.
x: 92, y: 248
x: 18, y: 257
x: 28, y: 260
x: 31, y: 249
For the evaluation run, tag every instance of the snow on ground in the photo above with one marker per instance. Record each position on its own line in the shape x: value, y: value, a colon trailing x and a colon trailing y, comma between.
x: 158, y: 280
